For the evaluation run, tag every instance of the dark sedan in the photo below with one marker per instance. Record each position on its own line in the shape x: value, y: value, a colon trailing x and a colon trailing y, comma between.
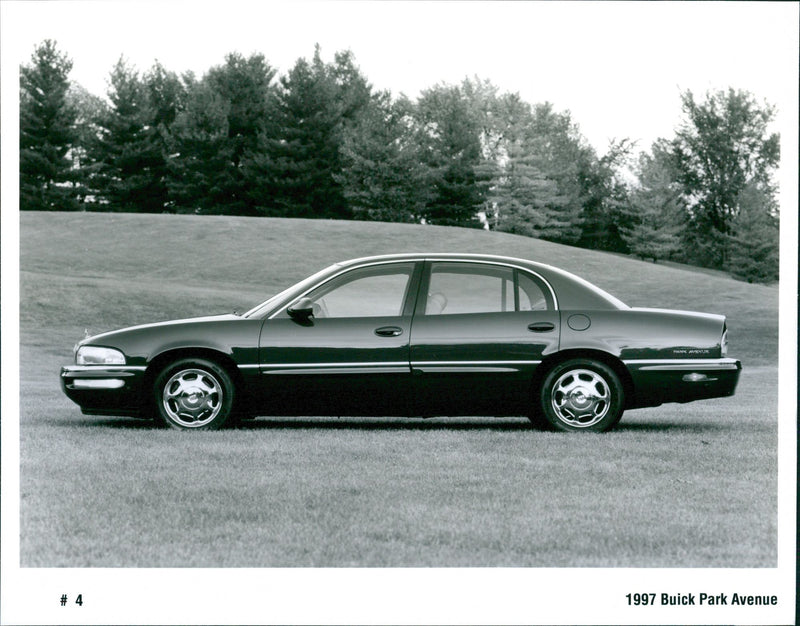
x: 412, y: 335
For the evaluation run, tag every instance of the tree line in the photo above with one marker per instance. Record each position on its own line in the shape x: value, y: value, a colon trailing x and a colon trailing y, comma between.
x: 320, y: 142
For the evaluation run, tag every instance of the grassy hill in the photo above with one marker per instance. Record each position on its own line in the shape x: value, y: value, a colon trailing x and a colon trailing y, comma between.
x: 675, y: 486
x: 104, y: 271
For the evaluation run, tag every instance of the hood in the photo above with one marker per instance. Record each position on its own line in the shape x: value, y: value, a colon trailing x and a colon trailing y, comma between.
x: 171, y: 323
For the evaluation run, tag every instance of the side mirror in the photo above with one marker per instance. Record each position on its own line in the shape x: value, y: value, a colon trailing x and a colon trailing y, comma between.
x: 301, y: 310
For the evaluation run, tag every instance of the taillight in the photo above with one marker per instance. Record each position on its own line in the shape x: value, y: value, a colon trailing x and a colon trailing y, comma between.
x: 724, y: 342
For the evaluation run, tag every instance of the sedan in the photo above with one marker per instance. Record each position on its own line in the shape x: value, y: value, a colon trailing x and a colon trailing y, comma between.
x: 416, y: 335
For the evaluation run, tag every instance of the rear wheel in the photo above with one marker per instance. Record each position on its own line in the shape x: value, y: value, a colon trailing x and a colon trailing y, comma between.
x: 582, y: 394
x: 194, y: 394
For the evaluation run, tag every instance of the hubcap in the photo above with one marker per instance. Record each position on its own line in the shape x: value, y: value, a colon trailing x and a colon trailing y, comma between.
x: 581, y: 398
x: 192, y: 397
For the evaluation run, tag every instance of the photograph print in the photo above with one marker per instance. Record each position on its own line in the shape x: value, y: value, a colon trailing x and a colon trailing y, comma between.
x: 312, y: 304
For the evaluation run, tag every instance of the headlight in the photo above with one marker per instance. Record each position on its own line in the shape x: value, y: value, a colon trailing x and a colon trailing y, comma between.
x: 94, y: 355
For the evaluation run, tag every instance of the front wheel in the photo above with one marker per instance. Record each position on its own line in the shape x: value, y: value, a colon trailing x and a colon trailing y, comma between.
x: 582, y: 394
x: 194, y: 394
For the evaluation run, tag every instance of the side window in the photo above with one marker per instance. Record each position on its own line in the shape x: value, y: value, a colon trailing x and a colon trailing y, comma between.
x: 469, y: 288
x: 475, y: 288
x: 367, y: 292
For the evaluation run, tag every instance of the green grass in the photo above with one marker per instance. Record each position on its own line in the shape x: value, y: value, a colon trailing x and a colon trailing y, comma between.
x: 676, y: 486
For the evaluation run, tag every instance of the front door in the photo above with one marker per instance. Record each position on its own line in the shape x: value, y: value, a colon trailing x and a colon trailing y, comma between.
x: 478, y: 335
x: 351, y: 357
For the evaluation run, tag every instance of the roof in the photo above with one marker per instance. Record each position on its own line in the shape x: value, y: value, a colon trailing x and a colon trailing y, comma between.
x: 573, y: 292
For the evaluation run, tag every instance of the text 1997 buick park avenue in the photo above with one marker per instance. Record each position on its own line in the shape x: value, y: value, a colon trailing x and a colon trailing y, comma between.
x: 412, y: 335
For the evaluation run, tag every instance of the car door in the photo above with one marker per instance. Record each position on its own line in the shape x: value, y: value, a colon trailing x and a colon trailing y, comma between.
x: 351, y: 356
x: 478, y: 334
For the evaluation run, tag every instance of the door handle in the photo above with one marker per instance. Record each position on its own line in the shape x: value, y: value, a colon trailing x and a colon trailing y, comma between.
x: 541, y: 327
x: 388, y: 331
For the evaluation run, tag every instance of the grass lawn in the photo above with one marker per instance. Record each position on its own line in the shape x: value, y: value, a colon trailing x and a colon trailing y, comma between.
x: 675, y: 486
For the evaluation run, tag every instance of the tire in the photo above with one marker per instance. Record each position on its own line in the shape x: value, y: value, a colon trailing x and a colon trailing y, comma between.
x: 194, y: 394
x: 582, y: 395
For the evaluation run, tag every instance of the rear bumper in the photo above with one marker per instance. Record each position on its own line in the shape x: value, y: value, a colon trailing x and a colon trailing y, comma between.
x: 658, y: 381
x: 104, y: 389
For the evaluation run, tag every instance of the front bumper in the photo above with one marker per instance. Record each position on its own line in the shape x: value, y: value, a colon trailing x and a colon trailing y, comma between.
x: 104, y: 389
x: 658, y: 381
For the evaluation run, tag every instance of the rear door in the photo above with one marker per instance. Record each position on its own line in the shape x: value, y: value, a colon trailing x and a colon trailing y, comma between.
x: 478, y: 334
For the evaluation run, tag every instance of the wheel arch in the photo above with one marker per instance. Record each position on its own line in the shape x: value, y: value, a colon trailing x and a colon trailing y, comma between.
x: 586, y: 353
x: 161, y: 360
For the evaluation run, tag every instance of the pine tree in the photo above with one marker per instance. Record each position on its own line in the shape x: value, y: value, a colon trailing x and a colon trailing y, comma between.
x: 124, y: 152
x: 90, y: 109
x: 656, y: 210
x: 245, y: 86
x: 130, y: 170
x: 200, y: 174
x: 652, y: 235
x: 46, y: 132
x: 754, y: 240
x: 296, y: 168
x: 165, y: 97
x: 382, y: 177
x: 449, y: 136
x: 563, y: 157
x: 522, y: 196
x: 504, y: 120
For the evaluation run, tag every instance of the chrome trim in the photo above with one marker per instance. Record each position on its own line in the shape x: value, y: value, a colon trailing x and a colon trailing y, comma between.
x: 397, y: 363
x: 687, y: 368
x: 380, y: 367
x: 341, y: 364
x: 451, y: 367
x: 392, y: 367
x: 684, y: 364
x: 502, y: 264
x: 71, y: 369
x: 339, y: 370
x: 464, y: 369
x: 722, y: 360
x: 420, y: 260
x: 336, y: 275
x: 503, y: 362
x: 97, y: 383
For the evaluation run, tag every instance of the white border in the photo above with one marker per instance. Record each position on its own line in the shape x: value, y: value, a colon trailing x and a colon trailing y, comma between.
x: 357, y: 596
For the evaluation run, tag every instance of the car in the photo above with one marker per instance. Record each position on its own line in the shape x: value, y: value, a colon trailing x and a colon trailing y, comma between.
x: 416, y: 335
